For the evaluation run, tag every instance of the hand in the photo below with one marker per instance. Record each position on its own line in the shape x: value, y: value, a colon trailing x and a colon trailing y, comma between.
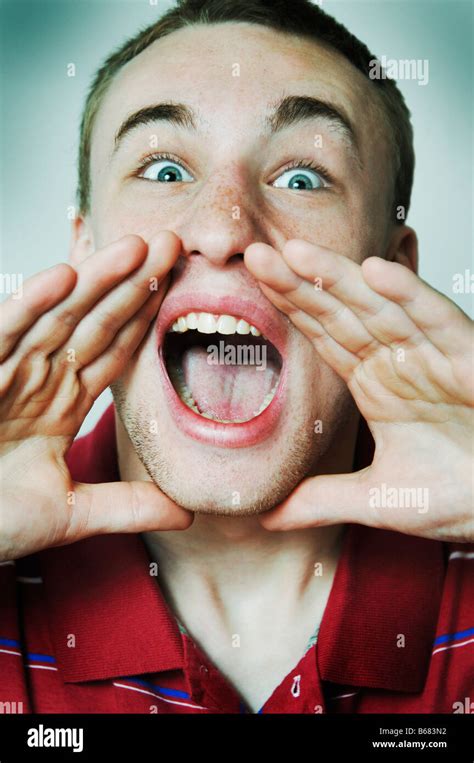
x: 406, y: 354
x: 61, y: 345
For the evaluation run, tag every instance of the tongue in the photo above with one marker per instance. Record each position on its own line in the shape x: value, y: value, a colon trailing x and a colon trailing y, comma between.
x: 227, y: 392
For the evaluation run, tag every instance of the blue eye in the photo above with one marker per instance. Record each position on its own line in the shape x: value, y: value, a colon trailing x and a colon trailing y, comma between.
x: 300, y: 179
x: 166, y: 171
x: 300, y: 176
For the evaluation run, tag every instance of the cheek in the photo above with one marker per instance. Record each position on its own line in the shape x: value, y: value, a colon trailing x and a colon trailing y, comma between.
x: 310, y: 376
x: 141, y: 373
x: 327, y: 222
x: 352, y: 224
x: 116, y: 215
x: 318, y: 387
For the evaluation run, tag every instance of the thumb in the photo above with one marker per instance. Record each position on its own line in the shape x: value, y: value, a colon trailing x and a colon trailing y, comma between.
x: 324, y: 500
x: 122, y: 507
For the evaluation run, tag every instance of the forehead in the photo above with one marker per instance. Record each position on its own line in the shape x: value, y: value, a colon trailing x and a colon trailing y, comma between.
x: 231, y: 73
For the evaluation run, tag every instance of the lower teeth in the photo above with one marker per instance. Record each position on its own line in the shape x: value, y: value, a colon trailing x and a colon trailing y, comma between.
x: 177, y: 378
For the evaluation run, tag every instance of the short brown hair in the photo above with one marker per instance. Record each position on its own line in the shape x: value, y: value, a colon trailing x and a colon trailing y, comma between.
x: 297, y: 17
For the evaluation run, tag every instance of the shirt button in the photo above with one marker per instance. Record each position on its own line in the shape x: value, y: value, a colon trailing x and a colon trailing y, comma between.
x: 203, y: 669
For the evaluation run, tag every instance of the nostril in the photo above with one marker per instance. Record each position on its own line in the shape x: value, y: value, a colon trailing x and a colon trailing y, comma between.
x: 238, y: 257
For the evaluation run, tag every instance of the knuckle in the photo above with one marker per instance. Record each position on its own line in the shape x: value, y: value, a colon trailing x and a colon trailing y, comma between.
x: 135, y: 505
x: 106, y: 322
x: 333, y: 313
x: 66, y: 317
x: 368, y: 348
x: 118, y: 353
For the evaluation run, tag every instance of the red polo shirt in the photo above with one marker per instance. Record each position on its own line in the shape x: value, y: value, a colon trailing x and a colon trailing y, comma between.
x: 85, y: 628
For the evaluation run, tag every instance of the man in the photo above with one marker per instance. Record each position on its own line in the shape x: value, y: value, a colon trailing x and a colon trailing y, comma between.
x: 224, y: 541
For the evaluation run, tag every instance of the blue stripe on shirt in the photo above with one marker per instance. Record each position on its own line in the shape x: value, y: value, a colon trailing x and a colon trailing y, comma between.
x: 162, y: 689
x: 30, y: 656
x: 9, y: 642
x: 454, y: 636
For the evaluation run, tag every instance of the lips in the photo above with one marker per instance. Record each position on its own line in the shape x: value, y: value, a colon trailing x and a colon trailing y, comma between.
x: 222, y: 362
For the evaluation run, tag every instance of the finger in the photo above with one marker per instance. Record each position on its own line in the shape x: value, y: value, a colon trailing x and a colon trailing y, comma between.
x: 342, y: 278
x: 96, y: 275
x: 358, y: 498
x: 97, y: 376
x: 386, y: 322
x: 123, y: 507
x: 287, y: 278
x: 436, y: 315
x: 340, y: 360
x: 100, y: 327
x: 324, y: 500
x: 40, y: 293
x: 395, y: 305
x: 309, y: 310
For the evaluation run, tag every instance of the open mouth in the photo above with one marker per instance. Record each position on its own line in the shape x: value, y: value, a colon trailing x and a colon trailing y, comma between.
x: 221, y: 366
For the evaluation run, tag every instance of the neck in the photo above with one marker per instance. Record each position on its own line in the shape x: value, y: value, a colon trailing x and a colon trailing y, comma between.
x: 228, y: 575
x: 214, y: 549
x: 220, y: 557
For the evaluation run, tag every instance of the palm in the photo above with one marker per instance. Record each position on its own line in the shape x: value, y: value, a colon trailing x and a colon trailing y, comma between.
x: 71, y: 335
x: 405, y: 352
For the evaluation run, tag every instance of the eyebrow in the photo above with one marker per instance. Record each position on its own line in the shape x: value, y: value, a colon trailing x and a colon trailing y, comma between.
x: 178, y: 114
x: 298, y: 108
x: 288, y: 112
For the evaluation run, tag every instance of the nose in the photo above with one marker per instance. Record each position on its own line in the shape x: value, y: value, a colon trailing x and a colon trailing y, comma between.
x: 222, y: 219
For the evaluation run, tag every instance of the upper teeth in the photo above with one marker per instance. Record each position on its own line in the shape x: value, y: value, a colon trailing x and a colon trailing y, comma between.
x: 208, y: 323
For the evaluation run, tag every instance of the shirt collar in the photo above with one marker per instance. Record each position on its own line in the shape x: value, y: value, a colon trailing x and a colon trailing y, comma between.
x: 379, y: 624
x: 109, y: 618
x: 107, y: 614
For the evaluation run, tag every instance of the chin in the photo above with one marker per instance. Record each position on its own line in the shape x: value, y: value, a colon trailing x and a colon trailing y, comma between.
x: 209, y: 481
x: 212, y: 479
x: 226, y: 439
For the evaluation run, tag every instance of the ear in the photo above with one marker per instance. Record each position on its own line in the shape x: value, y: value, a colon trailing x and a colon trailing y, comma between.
x: 82, y: 240
x: 403, y: 247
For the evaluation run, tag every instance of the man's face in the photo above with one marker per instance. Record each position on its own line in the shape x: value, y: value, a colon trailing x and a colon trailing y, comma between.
x: 236, y: 186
